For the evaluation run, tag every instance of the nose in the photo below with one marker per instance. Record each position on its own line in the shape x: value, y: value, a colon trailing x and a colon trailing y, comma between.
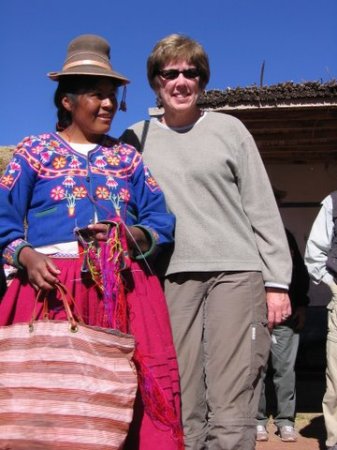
x: 108, y: 102
x: 181, y: 79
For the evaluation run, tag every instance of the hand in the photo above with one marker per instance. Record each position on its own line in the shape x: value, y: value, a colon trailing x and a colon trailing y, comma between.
x: 279, y: 307
x: 137, y: 239
x: 99, y: 231
x: 42, y: 272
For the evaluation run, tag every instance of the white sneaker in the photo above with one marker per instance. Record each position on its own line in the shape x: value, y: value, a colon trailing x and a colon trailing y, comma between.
x: 287, y: 433
x: 261, y: 433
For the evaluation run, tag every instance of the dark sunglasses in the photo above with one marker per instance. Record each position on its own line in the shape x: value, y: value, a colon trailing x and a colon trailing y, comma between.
x: 172, y: 74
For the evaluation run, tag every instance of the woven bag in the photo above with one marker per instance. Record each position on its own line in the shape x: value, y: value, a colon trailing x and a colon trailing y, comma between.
x: 65, y: 385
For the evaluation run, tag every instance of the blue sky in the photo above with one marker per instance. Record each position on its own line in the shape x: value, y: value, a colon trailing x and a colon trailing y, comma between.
x: 297, y: 39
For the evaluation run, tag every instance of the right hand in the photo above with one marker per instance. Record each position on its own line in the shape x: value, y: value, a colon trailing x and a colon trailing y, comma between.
x: 42, y: 272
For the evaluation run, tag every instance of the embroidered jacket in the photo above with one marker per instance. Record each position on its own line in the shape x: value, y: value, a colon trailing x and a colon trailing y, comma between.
x: 52, y: 189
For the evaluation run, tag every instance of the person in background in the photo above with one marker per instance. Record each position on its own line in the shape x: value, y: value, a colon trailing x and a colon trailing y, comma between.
x: 80, y: 207
x: 321, y: 260
x: 284, y: 348
x: 230, y: 258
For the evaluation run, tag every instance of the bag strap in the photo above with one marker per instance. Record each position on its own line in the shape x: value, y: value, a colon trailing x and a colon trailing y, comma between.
x: 67, y: 300
x: 144, y: 134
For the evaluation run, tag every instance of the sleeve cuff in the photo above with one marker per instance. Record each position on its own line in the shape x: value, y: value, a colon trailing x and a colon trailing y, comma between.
x: 12, y: 251
x: 152, y: 240
x: 269, y: 284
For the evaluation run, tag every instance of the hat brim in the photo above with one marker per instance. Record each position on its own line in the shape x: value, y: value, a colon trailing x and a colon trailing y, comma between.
x: 90, y: 71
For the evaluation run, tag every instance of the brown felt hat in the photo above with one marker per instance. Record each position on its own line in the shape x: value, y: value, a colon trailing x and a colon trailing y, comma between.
x: 89, y: 54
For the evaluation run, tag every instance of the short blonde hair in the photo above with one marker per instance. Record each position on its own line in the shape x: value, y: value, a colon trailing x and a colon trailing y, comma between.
x: 177, y: 47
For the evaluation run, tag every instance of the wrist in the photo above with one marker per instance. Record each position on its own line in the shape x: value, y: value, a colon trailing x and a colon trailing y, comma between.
x: 24, y: 256
x: 11, y: 253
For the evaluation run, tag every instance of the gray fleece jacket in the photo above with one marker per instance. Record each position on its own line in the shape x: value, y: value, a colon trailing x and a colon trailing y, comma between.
x: 216, y: 184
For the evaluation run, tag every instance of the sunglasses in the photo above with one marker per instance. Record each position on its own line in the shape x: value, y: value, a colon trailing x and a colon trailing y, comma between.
x: 172, y: 74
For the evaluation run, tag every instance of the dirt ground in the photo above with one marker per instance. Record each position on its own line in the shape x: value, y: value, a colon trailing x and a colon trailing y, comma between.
x: 311, y: 435
x: 309, y: 419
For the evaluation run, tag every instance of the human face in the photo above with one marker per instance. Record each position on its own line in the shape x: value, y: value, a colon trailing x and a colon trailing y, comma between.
x: 179, y: 95
x: 92, y: 112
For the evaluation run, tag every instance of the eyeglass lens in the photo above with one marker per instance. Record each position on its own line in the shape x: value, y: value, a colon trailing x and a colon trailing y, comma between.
x: 172, y: 74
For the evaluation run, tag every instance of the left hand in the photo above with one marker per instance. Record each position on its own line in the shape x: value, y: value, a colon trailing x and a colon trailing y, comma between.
x: 278, y: 305
x: 135, y: 236
x: 99, y: 231
x: 137, y: 239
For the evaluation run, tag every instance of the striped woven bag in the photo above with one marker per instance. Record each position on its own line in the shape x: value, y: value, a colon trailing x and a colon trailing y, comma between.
x: 65, y: 385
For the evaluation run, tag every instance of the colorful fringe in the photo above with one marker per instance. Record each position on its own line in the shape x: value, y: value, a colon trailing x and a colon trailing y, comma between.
x: 106, y: 261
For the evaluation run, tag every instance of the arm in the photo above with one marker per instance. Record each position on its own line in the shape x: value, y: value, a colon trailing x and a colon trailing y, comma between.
x: 16, y: 186
x: 154, y: 221
x: 318, y: 244
x: 260, y: 206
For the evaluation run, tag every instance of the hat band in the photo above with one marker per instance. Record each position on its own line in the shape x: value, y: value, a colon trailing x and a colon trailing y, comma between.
x: 86, y: 62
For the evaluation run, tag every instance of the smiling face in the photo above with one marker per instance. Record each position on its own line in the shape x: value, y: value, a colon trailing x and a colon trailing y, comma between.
x: 179, y: 95
x: 91, y: 111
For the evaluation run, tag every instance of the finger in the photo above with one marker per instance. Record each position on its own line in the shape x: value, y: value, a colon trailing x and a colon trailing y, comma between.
x: 53, y: 268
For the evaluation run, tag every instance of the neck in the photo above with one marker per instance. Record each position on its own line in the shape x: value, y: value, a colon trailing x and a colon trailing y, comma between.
x: 74, y: 136
x: 183, y: 119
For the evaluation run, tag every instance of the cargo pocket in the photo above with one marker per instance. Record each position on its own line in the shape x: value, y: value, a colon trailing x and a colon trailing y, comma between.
x: 260, y: 348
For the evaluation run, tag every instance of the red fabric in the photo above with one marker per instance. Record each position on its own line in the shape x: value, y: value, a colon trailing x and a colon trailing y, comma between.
x: 148, y: 322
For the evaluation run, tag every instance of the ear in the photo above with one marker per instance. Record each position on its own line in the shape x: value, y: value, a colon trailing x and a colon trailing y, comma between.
x: 67, y: 103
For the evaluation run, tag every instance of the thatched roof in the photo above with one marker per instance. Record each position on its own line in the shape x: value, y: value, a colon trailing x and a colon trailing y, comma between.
x: 288, y: 93
x: 290, y: 122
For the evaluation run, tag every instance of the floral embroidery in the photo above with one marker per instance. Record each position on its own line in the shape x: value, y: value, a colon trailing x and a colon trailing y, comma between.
x: 51, y: 159
x: 111, y: 182
x: 149, y: 180
x: 7, y: 180
x: 100, y: 162
x: 11, y: 174
x: 124, y: 194
x: 80, y: 192
x: 69, y: 182
x: 113, y: 160
x: 45, y: 156
x: 57, y: 193
x: 59, y: 162
x: 105, y: 194
x: 74, y: 163
x: 102, y: 193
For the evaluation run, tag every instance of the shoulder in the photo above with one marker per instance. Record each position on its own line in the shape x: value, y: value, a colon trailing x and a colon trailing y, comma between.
x: 118, y: 146
x: 224, y: 118
x: 135, y: 134
x: 36, y: 141
x: 328, y: 201
x: 138, y: 127
x: 227, y: 122
x: 120, y: 156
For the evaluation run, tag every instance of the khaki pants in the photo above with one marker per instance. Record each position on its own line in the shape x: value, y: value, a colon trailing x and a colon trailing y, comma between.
x: 220, y: 331
x: 330, y: 396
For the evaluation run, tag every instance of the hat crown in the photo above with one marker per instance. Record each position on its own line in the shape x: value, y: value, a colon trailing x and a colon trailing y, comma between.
x: 88, y: 46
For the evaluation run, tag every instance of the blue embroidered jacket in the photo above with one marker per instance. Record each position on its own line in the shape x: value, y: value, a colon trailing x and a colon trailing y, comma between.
x: 48, y: 189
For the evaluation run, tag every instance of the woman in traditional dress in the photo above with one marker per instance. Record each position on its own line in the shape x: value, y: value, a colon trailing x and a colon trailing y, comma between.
x: 80, y: 208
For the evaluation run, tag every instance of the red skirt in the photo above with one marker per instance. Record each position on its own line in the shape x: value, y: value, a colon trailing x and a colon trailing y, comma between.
x: 148, y: 322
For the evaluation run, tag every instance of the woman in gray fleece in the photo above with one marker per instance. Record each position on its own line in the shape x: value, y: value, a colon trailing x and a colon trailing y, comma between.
x: 227, y: 278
